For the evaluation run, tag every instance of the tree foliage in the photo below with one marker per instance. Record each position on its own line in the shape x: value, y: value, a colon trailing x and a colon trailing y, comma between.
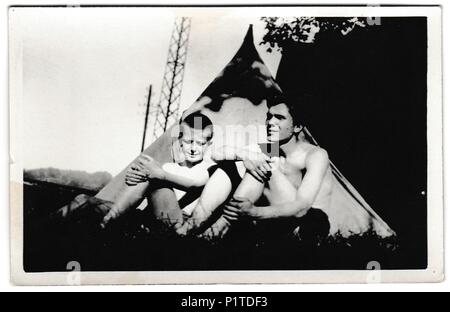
x: 282, y: 32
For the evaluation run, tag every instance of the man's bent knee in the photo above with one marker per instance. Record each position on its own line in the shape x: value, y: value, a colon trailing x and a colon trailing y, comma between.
x: 164, y: 206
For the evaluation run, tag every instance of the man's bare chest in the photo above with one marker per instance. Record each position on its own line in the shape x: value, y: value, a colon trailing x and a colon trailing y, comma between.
x: 290, y: 170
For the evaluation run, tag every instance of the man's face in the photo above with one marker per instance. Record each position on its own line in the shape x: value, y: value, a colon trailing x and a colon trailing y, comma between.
x: 194, y: 143
x: 279, y: 123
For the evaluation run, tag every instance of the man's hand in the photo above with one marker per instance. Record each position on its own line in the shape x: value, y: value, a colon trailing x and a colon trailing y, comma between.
x: 145, y: 168
x: 277, y: 163
x: 112, y: 215
x: 239, y: 207
x: 231, y: 213
x: 257, y: 164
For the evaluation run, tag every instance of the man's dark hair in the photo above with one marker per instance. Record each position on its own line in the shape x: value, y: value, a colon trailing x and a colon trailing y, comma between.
x: 197, y: 121
x: 294, y: 109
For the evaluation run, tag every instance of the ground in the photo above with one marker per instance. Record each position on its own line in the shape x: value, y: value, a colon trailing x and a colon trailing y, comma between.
x: 135, y: 243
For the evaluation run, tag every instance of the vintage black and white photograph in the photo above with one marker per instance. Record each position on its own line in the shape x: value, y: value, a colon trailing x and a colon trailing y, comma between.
x: 226, y: 144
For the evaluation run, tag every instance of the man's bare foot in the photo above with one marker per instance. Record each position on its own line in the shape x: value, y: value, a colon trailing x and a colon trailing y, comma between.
x: 218, y: 230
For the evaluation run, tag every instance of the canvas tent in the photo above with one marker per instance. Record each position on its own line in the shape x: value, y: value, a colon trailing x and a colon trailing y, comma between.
x: 238, y: 97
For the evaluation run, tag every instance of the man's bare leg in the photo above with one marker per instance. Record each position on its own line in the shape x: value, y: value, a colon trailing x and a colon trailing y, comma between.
x: 313, y: 225
x: 215, y: 193
x: 249, y: 188
x: 280, y: 190
x: 165, y: 206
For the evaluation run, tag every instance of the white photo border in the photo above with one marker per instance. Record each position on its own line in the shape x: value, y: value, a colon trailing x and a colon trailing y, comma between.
x: 435, y: 270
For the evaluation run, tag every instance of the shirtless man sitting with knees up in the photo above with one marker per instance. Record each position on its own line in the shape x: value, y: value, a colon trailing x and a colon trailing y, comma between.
x: 296, y: 183
x: 175, y: 187
x: 171, y: 188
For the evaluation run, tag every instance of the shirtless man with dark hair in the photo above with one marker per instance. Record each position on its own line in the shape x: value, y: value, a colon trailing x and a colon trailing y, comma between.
x: 296, y: 182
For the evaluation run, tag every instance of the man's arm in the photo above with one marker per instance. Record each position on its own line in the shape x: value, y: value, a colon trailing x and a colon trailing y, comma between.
x: 255, y: 161
x: 186, y: 178
x: 146, y: 168
x: 317, y: 164
x: 228, y: 152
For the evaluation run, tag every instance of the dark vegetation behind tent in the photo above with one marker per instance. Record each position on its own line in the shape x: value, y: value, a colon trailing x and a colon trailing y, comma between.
x: 366, y: 103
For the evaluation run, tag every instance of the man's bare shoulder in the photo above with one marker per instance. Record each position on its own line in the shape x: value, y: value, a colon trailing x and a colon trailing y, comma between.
x: 311, y: 149
x: 318, y: 152
x: 307, y: 153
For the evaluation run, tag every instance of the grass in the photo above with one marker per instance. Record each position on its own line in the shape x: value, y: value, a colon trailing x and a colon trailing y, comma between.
x: 137, y: 243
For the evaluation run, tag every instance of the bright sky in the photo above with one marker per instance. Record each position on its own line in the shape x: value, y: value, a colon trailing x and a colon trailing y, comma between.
x: 86, y: 73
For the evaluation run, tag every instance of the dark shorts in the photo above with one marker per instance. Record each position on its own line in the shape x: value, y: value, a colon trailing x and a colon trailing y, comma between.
x: 195, y: 193
x: 313, y: 226
x: 230, y: 168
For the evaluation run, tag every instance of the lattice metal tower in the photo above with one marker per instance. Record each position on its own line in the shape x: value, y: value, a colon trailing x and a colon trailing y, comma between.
x: 166, y: 112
